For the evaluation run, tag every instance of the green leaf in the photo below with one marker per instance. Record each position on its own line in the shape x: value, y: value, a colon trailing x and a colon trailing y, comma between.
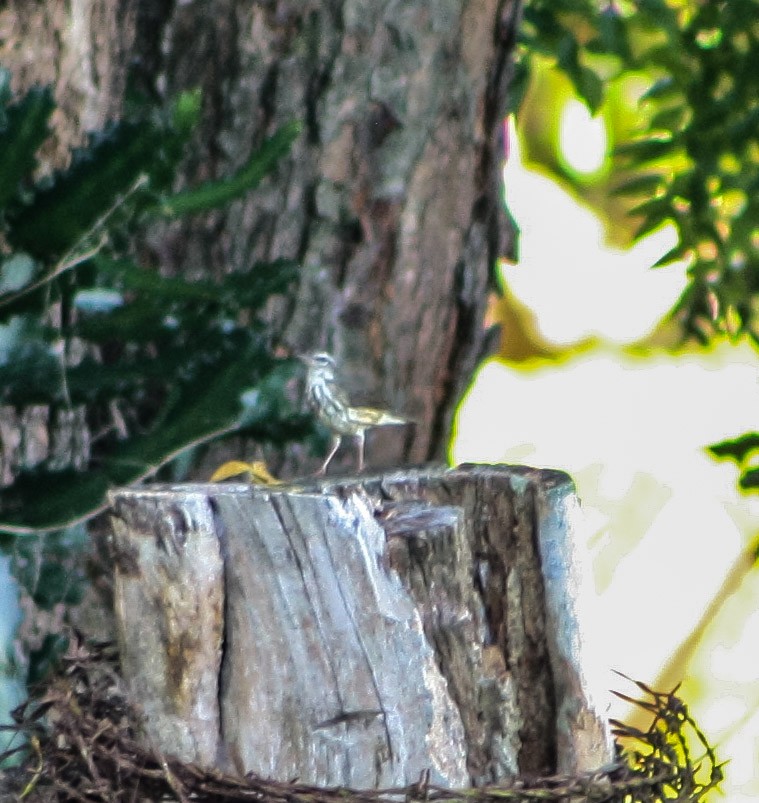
x: 663, y: 88
x: 91, y: 382
x: 34, y: 378
x: 141, y: 321
x: 518, y: 86
x: 147, y: 280
x: 670, y: 119
x: 647, y: 149
x: 737, y: 449
x: 645, y: 184
x: 660, y: 208
x: 252, y: 290
x: 661, y: 15
x: 25, y: 129
x: 678, y: 252
x: 55, y: 585
x: 235, y: 291
x: 99, y: 175
x: 749, y: 479
x: 30, y: 373
x: 51, y: 500
x: 589, y: 87
x: 651, y: 223
x: 25, y: 302
x: 613, y: 33
x: 215, y: 193
x: 586, y: 83
x: 204, y: 408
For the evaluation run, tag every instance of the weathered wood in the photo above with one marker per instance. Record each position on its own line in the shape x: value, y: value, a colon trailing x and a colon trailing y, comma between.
x: 373, y: 627
x: 168, y: 598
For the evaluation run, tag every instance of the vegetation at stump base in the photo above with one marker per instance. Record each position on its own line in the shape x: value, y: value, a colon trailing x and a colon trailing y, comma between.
x: 86, y: 704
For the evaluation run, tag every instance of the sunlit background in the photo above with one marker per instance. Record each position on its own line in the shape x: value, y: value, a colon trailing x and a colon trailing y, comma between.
x: 590, y: 381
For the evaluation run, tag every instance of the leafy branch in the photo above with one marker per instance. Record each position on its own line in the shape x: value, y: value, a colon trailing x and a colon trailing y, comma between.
x: 170, y: 358
x: 695, y: 160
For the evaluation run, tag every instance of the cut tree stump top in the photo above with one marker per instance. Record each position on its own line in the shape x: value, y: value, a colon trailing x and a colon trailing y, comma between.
x: 360, y: 631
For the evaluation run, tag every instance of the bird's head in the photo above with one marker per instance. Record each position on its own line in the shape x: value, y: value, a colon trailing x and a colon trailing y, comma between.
x: 320, y: 363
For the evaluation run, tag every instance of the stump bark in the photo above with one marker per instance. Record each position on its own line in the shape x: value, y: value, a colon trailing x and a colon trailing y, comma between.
x: 361, y: 631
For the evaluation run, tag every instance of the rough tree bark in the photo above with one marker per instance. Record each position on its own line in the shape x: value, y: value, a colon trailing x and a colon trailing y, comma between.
x: 361, y: 631
x: 391, y: 198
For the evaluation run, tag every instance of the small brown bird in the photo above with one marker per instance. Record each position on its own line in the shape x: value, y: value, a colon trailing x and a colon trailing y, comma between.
x: 332, y: 407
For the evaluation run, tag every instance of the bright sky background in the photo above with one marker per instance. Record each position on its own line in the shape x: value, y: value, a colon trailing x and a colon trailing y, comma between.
x: 631, y: 432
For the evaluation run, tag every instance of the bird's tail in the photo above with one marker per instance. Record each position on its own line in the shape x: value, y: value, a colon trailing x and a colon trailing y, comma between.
x: 368, y: 416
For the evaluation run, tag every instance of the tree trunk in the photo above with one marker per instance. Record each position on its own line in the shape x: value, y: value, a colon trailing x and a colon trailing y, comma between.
x: 359, y: 632
x: 390, y: 199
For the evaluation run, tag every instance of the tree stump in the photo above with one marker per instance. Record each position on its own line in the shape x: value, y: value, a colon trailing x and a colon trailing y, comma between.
x: 360, y: 631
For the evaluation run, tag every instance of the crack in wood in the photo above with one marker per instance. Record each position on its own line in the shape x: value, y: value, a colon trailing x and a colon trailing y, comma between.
x: 369, y: 663
x: 287, y: 534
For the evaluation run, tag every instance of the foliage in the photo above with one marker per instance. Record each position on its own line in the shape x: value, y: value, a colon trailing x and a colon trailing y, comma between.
x: 745, y: 452
x: 695, y: 161
x: 156, y: 364
x: 691, y: 159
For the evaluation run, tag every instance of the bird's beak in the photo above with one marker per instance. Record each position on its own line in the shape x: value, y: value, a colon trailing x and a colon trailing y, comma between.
x: 305, y: 358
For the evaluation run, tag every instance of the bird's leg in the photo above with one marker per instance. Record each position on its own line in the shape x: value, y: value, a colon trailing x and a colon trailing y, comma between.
x: 361, y: 440
x: 335, y: 446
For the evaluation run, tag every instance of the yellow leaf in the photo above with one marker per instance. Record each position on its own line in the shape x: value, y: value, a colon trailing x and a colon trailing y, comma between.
x: 256, y: 472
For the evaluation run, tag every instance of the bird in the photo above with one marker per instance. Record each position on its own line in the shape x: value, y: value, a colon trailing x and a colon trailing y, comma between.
x: 332, y: 407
